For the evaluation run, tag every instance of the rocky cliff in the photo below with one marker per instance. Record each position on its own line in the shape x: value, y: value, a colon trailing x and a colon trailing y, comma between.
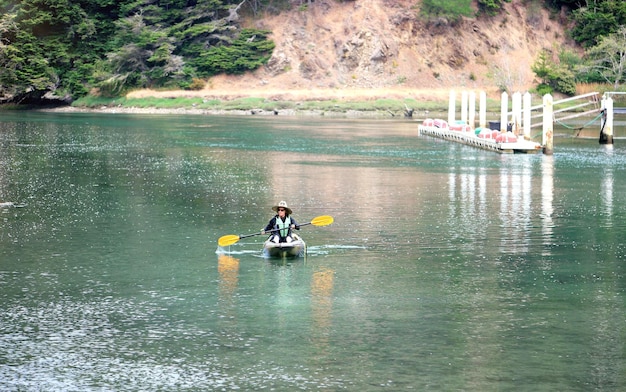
x: 383, y: 47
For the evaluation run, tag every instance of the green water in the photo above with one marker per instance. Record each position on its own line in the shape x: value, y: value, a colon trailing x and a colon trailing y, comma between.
x: 447, y: 268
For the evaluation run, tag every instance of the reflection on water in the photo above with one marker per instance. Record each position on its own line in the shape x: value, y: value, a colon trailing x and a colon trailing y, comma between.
x: 547, y: 200
x: 447, y: 268
x: 479, y: 195
x: 228, y: 268
x: 607, y: 189
x: 322, y: 304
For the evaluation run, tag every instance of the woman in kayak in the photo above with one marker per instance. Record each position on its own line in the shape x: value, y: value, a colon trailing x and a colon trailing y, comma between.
x: 281, y: 224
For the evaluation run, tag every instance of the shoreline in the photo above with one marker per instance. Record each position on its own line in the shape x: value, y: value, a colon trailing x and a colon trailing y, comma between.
x: 226, y: 98
x: 348, y: 113
x: 376, y: 103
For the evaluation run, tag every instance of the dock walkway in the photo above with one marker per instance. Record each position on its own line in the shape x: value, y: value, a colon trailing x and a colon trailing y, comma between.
x: 470, y: 139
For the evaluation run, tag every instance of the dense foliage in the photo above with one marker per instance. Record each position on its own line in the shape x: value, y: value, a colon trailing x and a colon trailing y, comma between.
x: 554, y: 75
x: 69, y: 47
x: 600, y: 27
x: 601, y: 18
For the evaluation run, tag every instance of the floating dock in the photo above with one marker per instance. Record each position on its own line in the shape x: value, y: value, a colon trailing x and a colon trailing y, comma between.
x: 471, y: 139
x: 512, y: 134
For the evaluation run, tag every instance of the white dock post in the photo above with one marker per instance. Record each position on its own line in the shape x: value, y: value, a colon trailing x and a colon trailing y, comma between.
x: 516, y: 119
x: 548, y: 135
x: 472, y: 110
x: 606, y: 132
x: 464, y: 107
x: 482, y: 119
x: 451, y: 107
x: 526, y: 120
x: 504, y: 109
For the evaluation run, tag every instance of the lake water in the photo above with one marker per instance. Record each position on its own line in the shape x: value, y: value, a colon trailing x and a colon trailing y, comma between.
x: 447, y: 267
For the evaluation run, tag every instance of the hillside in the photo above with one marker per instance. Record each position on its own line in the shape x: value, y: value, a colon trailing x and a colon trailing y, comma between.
x: 366, y: 49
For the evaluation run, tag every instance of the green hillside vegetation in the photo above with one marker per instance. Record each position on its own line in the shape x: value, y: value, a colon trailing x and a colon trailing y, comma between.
x: 71, y: 48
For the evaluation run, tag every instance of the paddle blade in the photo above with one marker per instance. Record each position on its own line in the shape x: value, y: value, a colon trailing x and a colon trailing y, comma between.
x: 323, y: 220
x: 227, y: 240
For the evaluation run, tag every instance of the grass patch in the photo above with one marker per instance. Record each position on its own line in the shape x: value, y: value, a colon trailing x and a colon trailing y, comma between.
x: 450, y: 9
x: 256, y: 103
x: 584, y: 88
x: 90, y: 101
x: 244, y: 103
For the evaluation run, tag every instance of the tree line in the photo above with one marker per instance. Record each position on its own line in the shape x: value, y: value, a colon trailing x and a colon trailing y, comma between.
x: 70, y: 47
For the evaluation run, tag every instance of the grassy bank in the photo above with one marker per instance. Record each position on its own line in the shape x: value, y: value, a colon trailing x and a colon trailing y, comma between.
x: 385, y: 106
x: 252, y: 103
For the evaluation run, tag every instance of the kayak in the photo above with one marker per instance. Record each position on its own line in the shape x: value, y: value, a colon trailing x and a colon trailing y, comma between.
x: 295, y: 248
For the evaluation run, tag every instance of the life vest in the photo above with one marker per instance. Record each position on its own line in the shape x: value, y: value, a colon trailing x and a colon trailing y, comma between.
x: 283, y: 227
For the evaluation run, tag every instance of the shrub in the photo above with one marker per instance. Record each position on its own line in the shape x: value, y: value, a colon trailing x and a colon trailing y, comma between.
x: 543, y: 89
x: 449, y: 9
x: 196, y: 84
x: 248, y: 52
x: 557, y: 76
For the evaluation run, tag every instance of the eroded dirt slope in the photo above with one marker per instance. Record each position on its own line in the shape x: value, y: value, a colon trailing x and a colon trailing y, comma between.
x: 381, y: 48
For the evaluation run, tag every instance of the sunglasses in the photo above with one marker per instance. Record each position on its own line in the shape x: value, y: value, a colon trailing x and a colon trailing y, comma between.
x: 281, y: 209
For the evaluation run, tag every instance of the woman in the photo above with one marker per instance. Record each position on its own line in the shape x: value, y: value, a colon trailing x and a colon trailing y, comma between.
x: 281, y: 224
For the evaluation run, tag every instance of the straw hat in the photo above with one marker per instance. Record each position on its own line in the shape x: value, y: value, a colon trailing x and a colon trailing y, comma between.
x: 282, y: 204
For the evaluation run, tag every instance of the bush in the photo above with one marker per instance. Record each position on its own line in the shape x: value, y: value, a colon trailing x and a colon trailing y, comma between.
x: 565, y: 82
x: 490, y: 7
x: 543, y: 89
x: 248, y: 52
x: 558, y: 76
x: 450, y: 9
x: 196, y: 84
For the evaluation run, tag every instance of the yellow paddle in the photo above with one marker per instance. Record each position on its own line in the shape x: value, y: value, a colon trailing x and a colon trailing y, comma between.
x: 229, y: 239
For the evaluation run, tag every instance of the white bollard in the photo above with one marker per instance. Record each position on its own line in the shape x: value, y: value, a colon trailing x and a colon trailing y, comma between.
x: 516, y: 118
x: 482, y: 120
x: 526, y: 120
x: 548, y: 131
x: 451, y: 107
x: 606, y: 134
x: 472, y: 110
x: 464, y: 107
x: 504, y: 110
